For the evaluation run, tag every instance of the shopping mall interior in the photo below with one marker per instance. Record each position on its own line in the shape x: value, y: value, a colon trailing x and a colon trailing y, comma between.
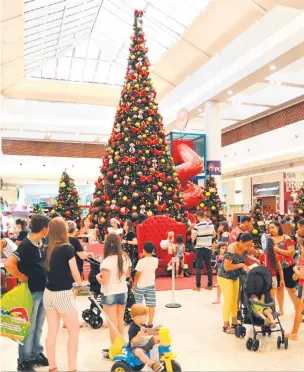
x: 181, y: 116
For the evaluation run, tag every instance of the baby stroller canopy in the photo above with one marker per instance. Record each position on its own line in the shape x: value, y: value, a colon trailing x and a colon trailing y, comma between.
x: 259, y: 282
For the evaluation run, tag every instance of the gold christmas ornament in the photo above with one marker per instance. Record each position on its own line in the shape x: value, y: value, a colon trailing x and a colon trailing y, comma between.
x: 255, y: 232
x: 208, y: 193
x: 62, y: 184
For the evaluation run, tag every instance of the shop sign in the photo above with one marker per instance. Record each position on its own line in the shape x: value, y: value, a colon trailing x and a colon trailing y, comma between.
x: 266, y: 189
x: 214, y: 167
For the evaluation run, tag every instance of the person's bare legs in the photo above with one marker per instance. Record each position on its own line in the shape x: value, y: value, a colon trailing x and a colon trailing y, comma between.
x: 280, y: 299
x: 111, y: 312
x: 72, y: 324
x: 53, y: 320
x: 269, y: 316
x: 151, y: 315
x: 120, y: 318
x: 298, y: 314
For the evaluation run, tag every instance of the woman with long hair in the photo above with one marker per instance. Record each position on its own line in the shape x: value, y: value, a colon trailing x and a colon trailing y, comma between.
x: 273, y: 263
x: 80, y: 253
x: 223, y: 232
x: 129, y: 243
x: 114, y: 271
x: 228, y: 279
x: 58, y: 299
x: 86, y: 225
x: 285, y: 248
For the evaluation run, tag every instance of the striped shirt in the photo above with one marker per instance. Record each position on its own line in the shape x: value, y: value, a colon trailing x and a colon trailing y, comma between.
x: 204, y: 231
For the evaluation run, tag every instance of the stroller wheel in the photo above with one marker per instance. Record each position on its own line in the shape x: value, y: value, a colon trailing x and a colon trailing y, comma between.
x: 285, y: 343
x: 264, y: 330
x: 279, y: 342
x: 243, y: 331
x: 238, y: 331
x: 256, y: 345
x: 95, y: 321
x: 86, y: 315
x: 249, y: 343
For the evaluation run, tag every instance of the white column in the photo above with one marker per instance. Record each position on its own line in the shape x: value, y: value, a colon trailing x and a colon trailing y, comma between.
x: 214, y: 139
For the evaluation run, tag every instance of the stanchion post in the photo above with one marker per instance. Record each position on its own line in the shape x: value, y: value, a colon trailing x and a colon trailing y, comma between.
x: 173, y: 304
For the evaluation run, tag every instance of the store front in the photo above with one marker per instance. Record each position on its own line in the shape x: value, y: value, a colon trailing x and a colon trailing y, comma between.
x: 268, y: 195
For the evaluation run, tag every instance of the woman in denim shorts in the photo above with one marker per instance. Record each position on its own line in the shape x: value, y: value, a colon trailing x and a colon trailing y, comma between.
x: 114, y: 271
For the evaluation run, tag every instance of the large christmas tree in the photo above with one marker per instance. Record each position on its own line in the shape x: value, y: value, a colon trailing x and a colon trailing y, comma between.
x: 138, y: 177
x: 211, y: 201
x: 67, y: 202
x: 259, y: 226
x: 298, y: 205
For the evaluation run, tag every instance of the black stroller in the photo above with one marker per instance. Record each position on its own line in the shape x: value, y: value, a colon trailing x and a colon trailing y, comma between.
x: 93, y: 315
x: 257, y: 282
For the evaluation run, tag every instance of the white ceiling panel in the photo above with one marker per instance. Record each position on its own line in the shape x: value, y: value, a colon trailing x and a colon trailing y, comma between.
x: 240, y: 112
x: 293, y: 73
x: 268, y: 94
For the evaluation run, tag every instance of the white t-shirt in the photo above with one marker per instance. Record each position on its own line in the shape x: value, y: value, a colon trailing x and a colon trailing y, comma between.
x: 146, y: 266
x: 9, y: 248
x: 115, y: 284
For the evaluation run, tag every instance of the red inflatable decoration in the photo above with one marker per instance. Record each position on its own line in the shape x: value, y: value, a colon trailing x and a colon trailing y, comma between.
x: 192, y: 166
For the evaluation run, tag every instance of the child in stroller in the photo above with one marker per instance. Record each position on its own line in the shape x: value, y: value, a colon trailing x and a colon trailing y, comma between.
x: 255, y: 300
x: 93, y: 315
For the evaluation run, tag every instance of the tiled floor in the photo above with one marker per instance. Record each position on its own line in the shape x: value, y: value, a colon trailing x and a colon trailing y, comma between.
x: 197, y: 339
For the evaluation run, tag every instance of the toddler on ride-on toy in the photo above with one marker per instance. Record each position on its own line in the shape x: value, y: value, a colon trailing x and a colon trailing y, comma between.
x: 142, y: 339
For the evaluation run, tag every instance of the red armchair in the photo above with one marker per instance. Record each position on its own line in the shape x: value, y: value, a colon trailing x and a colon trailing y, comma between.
x: 155, y: 229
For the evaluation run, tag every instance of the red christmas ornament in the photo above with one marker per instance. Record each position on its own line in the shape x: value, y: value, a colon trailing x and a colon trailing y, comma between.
x: 155, y: 187
x: 118, y: 182
x: 67, y: 213
x: 110, y: 174
x: 74, y: 192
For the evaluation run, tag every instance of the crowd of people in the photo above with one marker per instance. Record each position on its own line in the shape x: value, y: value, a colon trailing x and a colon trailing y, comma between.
x: 49, y: 257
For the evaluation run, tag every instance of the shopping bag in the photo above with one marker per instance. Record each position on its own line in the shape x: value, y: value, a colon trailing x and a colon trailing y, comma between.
x: 16, y: 311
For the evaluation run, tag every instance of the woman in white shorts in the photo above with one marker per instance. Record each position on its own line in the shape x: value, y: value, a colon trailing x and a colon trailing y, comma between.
x: 58, y: 299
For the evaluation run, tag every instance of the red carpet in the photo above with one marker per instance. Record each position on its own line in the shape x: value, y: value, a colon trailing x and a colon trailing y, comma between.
x: 165, y: 283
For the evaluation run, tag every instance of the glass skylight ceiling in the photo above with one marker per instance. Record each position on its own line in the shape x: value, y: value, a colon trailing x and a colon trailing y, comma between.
x: 88, y: 40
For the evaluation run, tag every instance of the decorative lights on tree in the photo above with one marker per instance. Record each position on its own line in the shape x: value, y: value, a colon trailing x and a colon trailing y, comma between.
x: 259, y: 226
x: 67, y: 202
x: 138, y: 177
x: 211, y: 201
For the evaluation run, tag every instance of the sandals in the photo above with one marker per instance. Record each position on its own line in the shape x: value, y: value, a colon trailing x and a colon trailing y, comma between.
x: 292, y: 336
x: 217, y: 301
x: 156, y: 367
x: 229, y: 330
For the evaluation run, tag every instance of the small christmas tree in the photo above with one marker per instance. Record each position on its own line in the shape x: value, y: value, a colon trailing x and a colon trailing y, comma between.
x: 259, y: 226
x: 68, y: 199
x: 37, y: 209
x: 298, y: 206
x: 138, y: 177
x: 211, y: 202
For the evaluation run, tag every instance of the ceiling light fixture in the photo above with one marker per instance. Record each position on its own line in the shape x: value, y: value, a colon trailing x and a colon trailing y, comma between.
x: 272, y: 67
x: 257, y: 21
x: 230, y: 92
x: 272, y: 82
x: 77, y: 133
x: 199, y: 110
